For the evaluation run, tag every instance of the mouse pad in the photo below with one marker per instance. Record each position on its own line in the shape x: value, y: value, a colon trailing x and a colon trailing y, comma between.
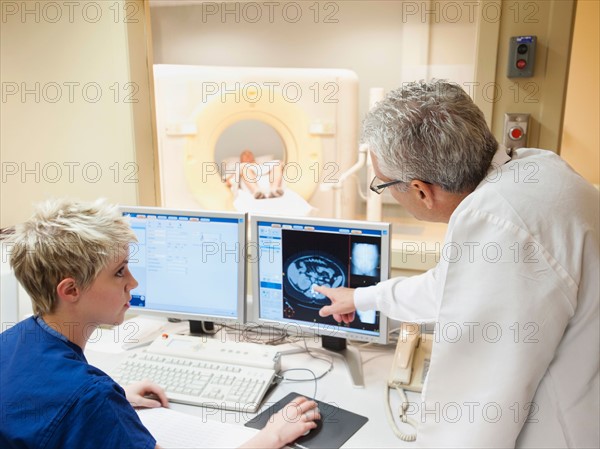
x: 333, y: 429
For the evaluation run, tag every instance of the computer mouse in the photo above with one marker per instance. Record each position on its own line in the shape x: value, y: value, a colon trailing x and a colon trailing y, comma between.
x: 319, y: 425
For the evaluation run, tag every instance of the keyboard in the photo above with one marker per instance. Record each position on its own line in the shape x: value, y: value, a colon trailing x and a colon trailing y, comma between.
x: 208, y: 384
x: 204, y: 372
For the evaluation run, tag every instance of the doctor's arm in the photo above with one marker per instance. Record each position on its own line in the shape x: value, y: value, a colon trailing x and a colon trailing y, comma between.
x: 411, y: 299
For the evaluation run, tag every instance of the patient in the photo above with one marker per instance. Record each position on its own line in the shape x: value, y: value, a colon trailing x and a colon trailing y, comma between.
x: 261, y: 180
x: 72, y: 259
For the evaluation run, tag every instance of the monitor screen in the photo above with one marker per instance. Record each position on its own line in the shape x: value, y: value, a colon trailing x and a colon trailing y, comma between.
x: 189, y: 264
x: 296, y: 253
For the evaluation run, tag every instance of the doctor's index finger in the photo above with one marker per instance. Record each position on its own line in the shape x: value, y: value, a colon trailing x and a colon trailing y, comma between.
x: 323, y: 290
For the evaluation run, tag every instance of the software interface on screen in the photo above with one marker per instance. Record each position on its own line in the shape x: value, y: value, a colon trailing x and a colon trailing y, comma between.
x: 294, y: 257
x: 187, y: 264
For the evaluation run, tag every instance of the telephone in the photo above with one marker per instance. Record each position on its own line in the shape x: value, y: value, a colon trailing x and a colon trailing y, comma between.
x: 409, y: 369
x: 140, y: 331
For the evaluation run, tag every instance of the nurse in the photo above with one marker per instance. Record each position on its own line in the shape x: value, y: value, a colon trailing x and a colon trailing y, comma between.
x: 515, y: 295
x: 72, y: 259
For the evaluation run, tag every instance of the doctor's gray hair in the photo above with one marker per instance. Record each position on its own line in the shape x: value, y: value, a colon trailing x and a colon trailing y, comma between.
x: 431, y: 132
x: 66, y: 239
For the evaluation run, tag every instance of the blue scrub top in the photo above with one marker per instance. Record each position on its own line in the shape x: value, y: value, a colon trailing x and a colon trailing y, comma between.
x: 52, y: 398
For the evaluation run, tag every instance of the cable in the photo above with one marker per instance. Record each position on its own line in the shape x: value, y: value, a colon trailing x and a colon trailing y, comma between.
x: 212, y: 331
x: 315, y: 378
x: 402, y: 415
x: 328, y: 360
x: 255, y: 334
x: 281, y: 337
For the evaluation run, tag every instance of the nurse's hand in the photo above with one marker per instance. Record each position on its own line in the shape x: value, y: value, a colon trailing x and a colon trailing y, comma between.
x: 342, y: 303
x: 146, y: 394
x: 295, y: 419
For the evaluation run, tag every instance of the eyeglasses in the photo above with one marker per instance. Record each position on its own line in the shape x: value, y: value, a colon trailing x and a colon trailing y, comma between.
x: 378, y: 186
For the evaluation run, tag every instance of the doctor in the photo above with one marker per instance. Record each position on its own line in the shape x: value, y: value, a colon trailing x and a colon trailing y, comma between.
x: 515, y: 295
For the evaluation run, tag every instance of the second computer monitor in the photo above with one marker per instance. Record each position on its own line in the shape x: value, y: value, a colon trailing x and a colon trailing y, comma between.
x: 295, y: 254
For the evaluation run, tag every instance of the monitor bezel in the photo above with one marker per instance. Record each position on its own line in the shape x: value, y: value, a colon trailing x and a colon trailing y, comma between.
x: 304, y: 329
x: 241, y: 272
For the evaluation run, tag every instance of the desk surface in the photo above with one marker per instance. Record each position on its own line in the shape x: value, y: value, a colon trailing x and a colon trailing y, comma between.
x: 335, y: 388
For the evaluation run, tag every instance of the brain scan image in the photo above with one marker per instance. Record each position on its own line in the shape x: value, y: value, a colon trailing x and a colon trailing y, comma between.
x: 365, y: 259
x: 303, y: 272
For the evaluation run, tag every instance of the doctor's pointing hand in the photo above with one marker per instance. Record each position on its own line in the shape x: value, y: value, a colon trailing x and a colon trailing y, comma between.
x: 342, y: 303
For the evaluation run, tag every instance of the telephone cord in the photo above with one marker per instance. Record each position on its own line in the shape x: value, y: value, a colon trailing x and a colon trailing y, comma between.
x: 402, y: 415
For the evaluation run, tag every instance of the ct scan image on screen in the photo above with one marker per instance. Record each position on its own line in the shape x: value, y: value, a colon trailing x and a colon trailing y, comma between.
x: 295, y: 254
x: 331, y: 260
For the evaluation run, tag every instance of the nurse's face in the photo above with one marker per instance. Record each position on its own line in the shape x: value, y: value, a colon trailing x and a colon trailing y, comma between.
x: 107, y: 298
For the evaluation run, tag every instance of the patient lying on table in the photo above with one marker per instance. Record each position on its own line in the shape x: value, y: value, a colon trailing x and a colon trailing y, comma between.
x: 261, y: 180
x: 257, y: 186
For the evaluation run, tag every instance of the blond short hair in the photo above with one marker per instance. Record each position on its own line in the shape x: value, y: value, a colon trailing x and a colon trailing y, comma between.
x: 66, y: 238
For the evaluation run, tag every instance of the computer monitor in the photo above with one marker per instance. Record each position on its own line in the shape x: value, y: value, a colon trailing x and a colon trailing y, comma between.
x: 293, y: 254
x: 189, y: 265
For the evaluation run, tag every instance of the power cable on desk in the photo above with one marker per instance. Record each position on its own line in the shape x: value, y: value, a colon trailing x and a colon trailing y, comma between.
x: 315, y: 378
x: 328, y: 360
x: 280, y: 339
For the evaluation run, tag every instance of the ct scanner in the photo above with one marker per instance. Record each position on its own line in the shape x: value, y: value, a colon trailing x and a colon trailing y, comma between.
x: 305, y: 118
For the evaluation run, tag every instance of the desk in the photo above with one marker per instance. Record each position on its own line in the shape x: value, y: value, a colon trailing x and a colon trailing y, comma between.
x: 335, y: 388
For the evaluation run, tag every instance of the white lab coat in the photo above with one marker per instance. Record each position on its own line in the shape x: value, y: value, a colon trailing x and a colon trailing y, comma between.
x: 515, y: 299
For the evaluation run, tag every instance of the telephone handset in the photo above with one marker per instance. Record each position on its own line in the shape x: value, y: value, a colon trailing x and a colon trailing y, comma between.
x: 409, y: 369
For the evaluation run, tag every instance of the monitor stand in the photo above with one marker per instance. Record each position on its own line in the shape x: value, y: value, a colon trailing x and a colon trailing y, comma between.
x: 351, y: 357
x: 202, y: 327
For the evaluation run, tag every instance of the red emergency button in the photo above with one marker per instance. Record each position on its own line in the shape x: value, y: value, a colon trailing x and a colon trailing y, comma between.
x: 521, y: 64
x: 515, y: 133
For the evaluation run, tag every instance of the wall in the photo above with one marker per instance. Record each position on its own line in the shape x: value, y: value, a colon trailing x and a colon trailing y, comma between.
x: 47, y: 136
x: 385, y: 42
x: 542, y: 95
x: 581, y: 133
x: 67, y: 125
